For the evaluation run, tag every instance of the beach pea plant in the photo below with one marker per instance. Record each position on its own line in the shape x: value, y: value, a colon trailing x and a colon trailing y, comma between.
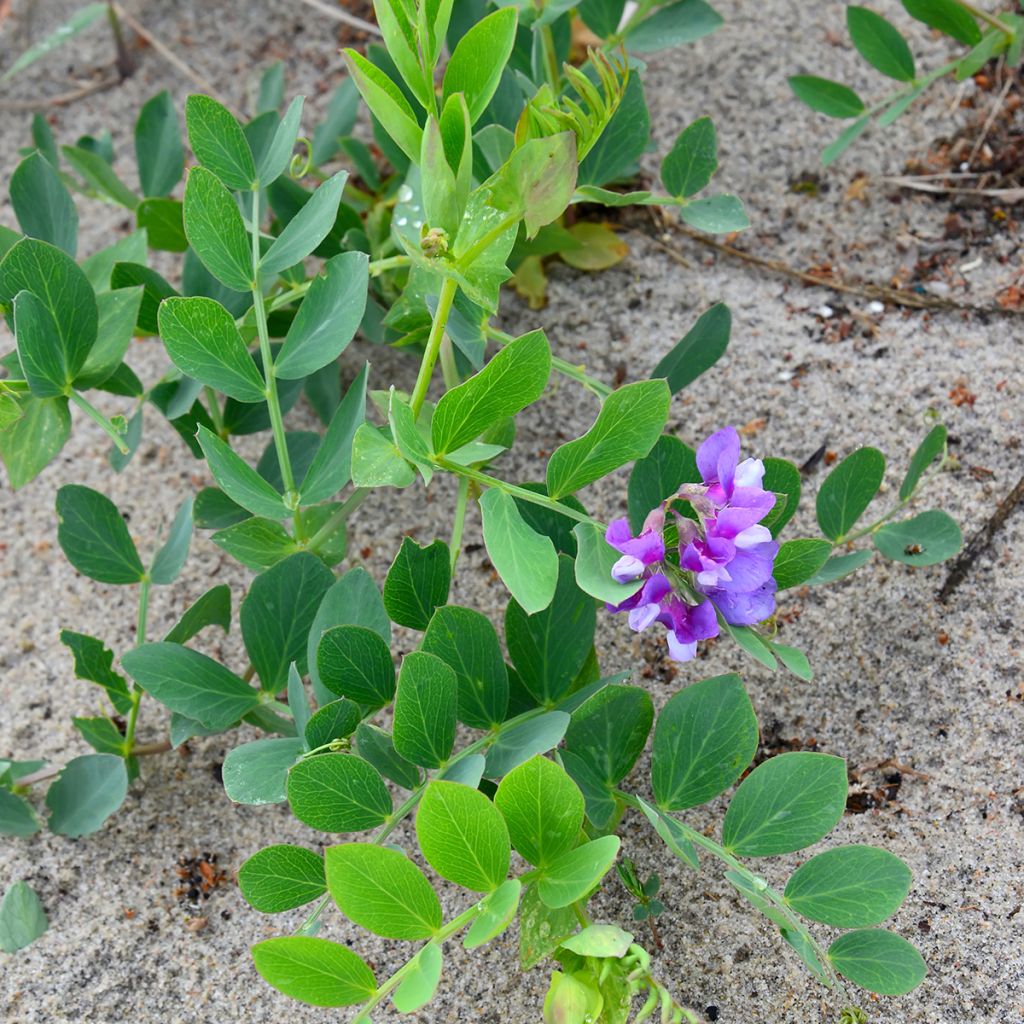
x: 987, y: 36
x: 501, y: 763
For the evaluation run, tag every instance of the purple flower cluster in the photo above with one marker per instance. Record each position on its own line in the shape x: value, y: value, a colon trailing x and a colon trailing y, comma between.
x: 726, y: 554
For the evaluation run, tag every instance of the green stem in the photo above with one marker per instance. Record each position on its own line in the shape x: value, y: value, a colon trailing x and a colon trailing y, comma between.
x: 98, y: 418
x: 444, y: 308
x: 136, y: 692
x: 562, y: 366
x: 516, y: 492
x: 273, y: 403
x: 474, y: 251
x: 347, y: 507
x: 215, y: 410
x: 461, y: 500
x: 547, y: 39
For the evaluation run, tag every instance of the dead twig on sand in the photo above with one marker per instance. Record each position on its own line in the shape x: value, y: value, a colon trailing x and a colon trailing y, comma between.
x: 343, y: 16
x: 64, y: 99
x: 1008, y: 196
x: 980, y: 542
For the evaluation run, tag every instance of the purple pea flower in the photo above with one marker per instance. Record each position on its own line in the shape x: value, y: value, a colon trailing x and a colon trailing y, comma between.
x: 726, y: 551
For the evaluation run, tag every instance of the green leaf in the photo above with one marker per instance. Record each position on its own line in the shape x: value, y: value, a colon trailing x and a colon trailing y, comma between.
x: 43, y: 205
x: 164, y: 223
x: 44, y: 365
x: 549, y: 648
x: 306, y: 230
x: 609, y: 730
x: 543, y: 809
x: 692, y: 160
x: 314, y: 971
x: 158, y: 148
x: 94, y: 662
x: 468, y: 643
x: 672, y: 835
x: 463, y: 836
x: 191, y: 683
x: 927, y: 539
x: 785, y: 803
x: 425, y: 710
x: 948, y: 17
x: 538, y: 182
x: 605, y: 941
x: 219, y: 143
x: 203, y: 342
x: 376, y: 746
x: 239, y: 480
x: 335, y: 720
x: 95, y: 538
x: 212, y: 609
x: 880, y: 43
x: 214, y: 228
x: 497, y: 912
x: 417, y: 988
x: 339, y: 121
x: 798, y: 560
x: 673, y: 25
x: 849, y: 886
x: 63, y: 291
x: 355, y: 662
x: 329, y: 315
x: 930, y: 449
x: 794, y: 659
x: 878, y: 961
x: 331, y: 468
x: 101, y: 734
x: 832, y: 152
x: 513, y: 379
x: 376, y: 460
x: 417, y: 583
x: 338, y: 793
x: 839, y: 566
x: 256, y: 542
x: 403, y: 46
x: 478, y: 60
x: 627, y: 427
x: 64, y: 33
x: 29, y: 444
x: 703, y: 345
x: 154, y: 290
x: 22, y: 918
x: 705, y: 737
x: 170, y: 559
x: 571, y: 876
x: 751, y: 642
x: 118, y: 313
x: 277, y: 614
x: 594, y: 560
x: 16, y: 817
x: 88, y: 790
x: 100, y: 176
x: 517, y: 743
x: 97, y: 267
x: 717, y: 215
x: 848, y: 490
x: 387, y: 103
x: 257, y: 772
x: 381, y: 890
x: 827, y: 97
x: 526, y: 561
x: 782, y: 478
x: 659, y: 476
x: 541, y: 928
x: 275, y: 159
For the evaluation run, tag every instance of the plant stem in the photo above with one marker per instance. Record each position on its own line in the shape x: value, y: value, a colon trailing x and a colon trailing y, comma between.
x: 273, y: 403
x: 461, y: 500
x: 444, y: 308
x: 52, y: 771
x: 137, y: 692
x: 563, y: 366
x: 482, y: 244
x: 347, y: 507
x: 97, y: 417
x: 517, y: 492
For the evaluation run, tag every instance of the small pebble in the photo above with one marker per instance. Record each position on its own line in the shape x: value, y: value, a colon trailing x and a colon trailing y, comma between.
x: 824, y: 312
x: 876, y: 307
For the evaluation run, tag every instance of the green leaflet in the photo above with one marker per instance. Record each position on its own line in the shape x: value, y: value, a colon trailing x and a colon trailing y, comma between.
x: 478, y: 60
x: 931, y: 448
x: 219, y: 143
x: 89, y: 789
x: 878, y: 961
x: 43, y: 205
x: 594, y: 560
x: 417, y: 582
x: 463, y: 836
x: 572, y: 875
x: 355, y: 662
x: 880, y: 44
x: 425, y: 710
x: 786, y: 803
x: 848, y: 490
x: 628, y: 426
x: 419, y: 985
x: 22, y: 918
x: 36, y: 437
x: 381, y: 890
x: 314, y: 971
x: 256, y: 772
x: 799, y: 560
x: 497, y: 912
x: 215, y: 230
x: 926, y: 539
x: 158, y: 148
x: 609, y: 731
x: 702, y: 346
x: 95, y: 538
x: 337, y: 793
x: 692, y: 160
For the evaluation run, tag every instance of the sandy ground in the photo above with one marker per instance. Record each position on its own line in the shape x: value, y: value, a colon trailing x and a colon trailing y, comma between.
x: 932, y: 691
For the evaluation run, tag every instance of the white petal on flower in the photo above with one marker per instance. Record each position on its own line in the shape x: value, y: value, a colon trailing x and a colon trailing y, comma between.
x: 627, y: 569
x: 752, y: 536
x: 678, y: 651
x: 640, y: 618
x: 750, y: 473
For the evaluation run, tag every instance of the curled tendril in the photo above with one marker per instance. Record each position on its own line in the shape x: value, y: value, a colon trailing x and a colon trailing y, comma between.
x: 301, y: 163
x: 853, y: 1015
